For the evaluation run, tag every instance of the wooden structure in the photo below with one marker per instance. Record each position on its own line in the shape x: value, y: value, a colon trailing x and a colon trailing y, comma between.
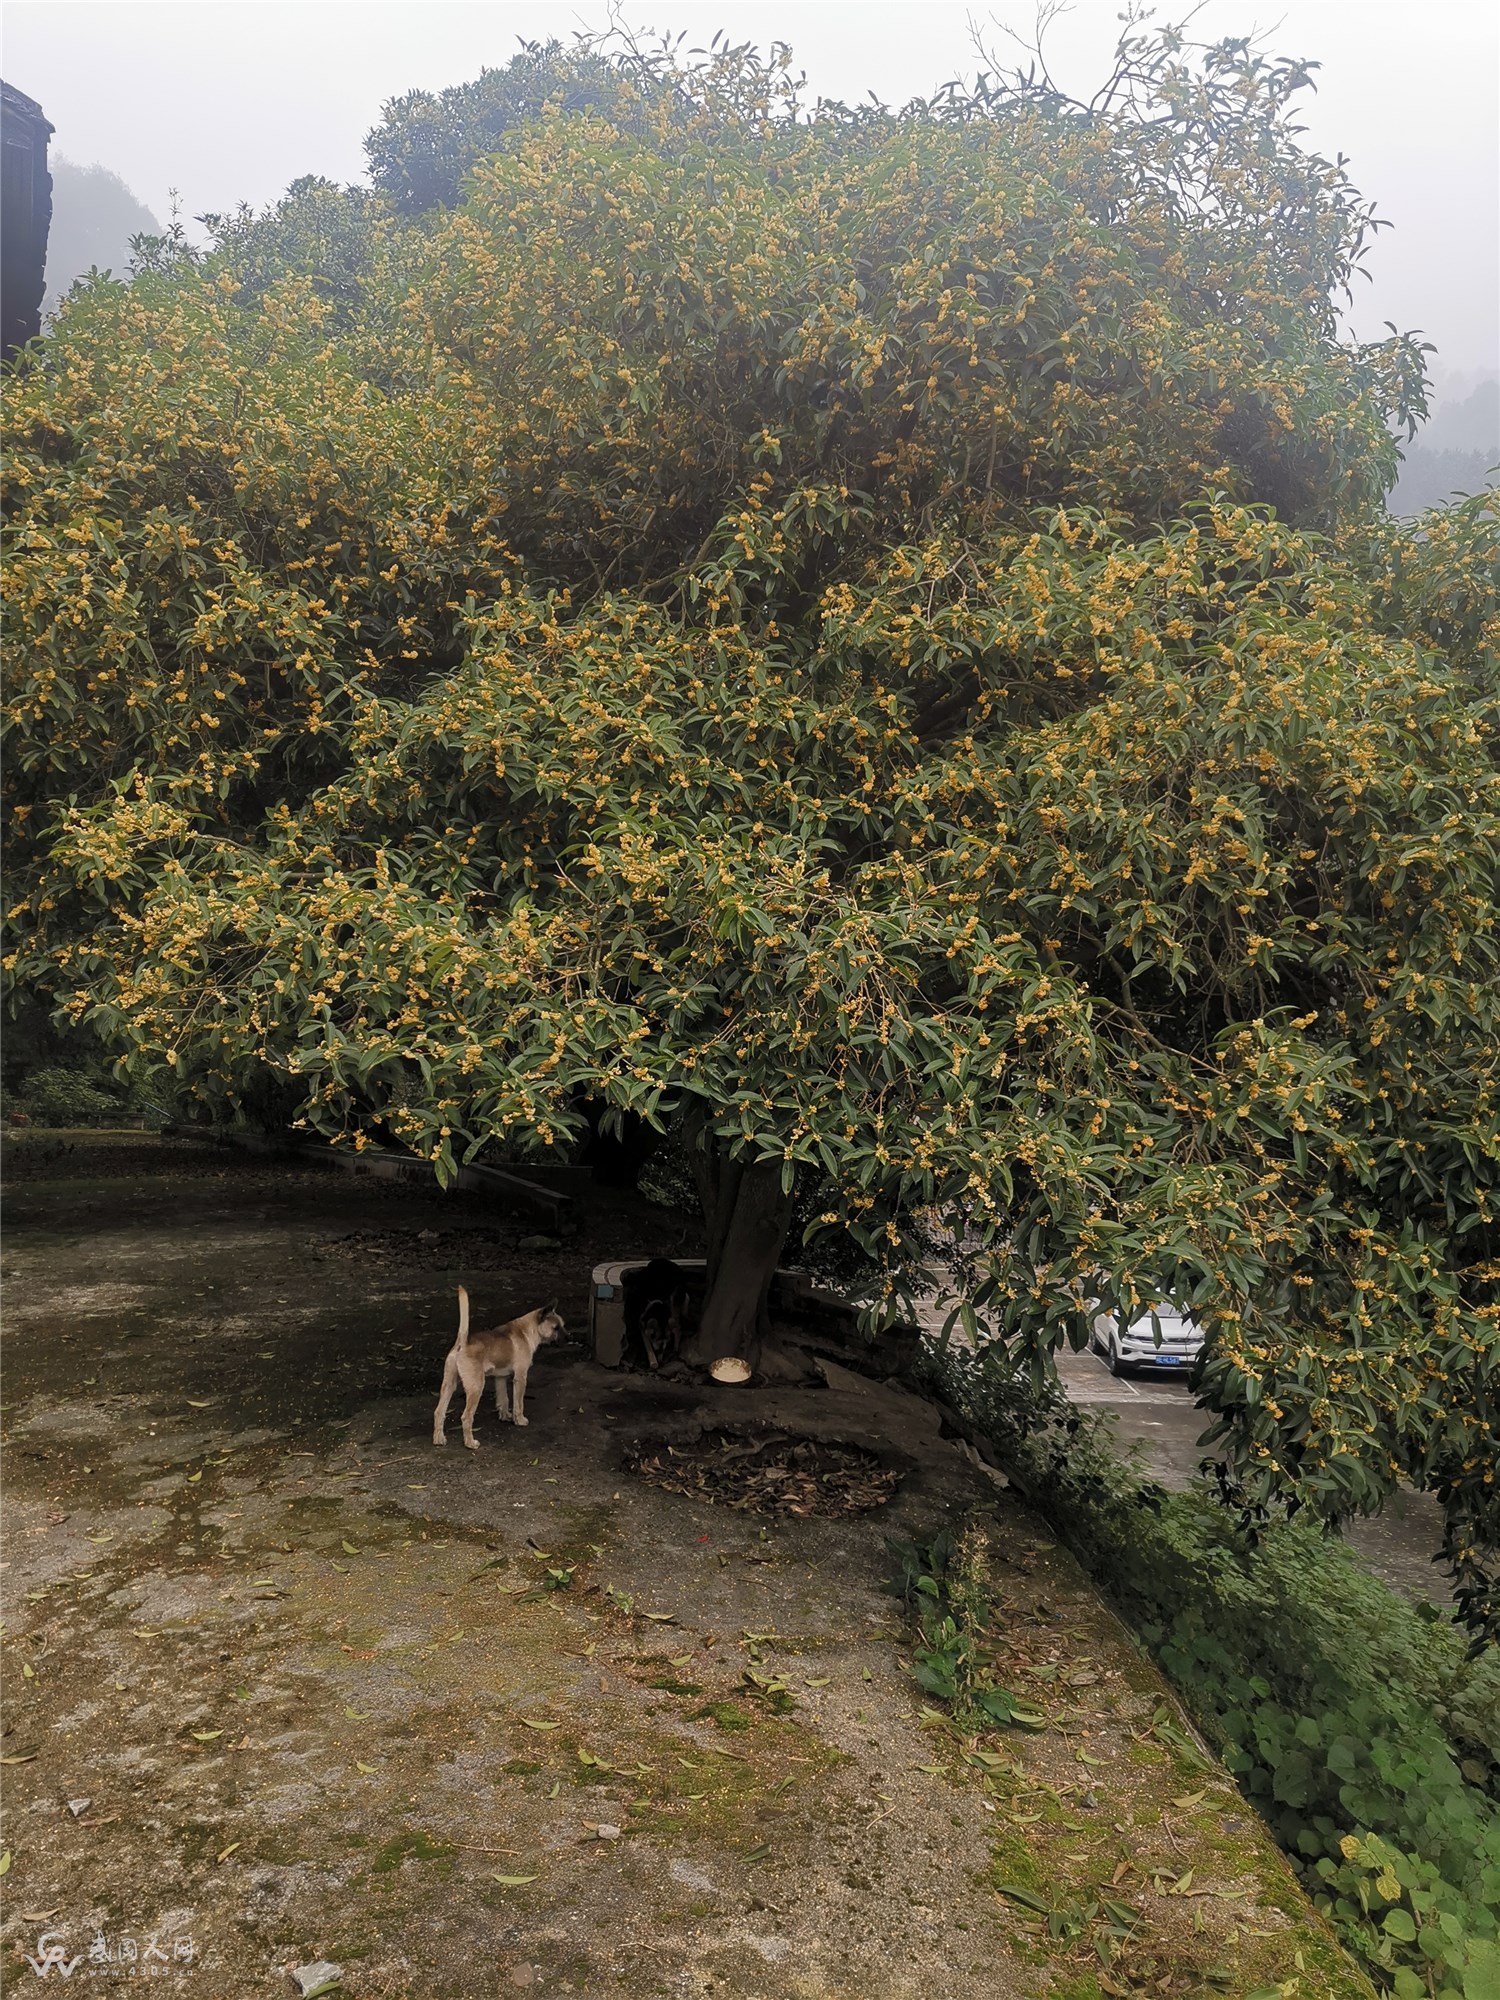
x: 25, y: 217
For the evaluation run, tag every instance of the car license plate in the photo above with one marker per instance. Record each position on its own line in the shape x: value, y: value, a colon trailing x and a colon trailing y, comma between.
x: 1170, y: 1360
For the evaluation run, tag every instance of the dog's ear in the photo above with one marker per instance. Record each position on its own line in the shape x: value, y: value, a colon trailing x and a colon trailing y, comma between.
x: 550, y: 1309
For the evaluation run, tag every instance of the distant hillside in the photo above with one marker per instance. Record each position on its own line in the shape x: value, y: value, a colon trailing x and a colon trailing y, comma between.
x: 1455, y: 452
x: 1469, y: 424
x: 1428, y: 478
x: 94, y: 216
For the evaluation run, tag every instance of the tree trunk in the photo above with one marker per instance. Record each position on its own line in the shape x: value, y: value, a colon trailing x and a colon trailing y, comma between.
x: 747, y: 1218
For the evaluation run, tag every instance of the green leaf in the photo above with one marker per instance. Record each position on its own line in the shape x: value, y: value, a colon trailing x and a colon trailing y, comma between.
x: 1027, y: 1898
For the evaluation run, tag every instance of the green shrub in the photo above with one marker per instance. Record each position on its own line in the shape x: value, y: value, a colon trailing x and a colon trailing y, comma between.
x: 942, y: 1584
x: 68, y: 1097
x: 59, y: 1095
x: 1358, y: 1725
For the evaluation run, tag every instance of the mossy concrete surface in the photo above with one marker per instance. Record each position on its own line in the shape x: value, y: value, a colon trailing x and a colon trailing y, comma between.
x: 286, y: 1684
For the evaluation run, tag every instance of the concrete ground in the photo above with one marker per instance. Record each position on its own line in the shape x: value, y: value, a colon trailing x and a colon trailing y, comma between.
x: 1156, y: 1413
x: 296, y: 1701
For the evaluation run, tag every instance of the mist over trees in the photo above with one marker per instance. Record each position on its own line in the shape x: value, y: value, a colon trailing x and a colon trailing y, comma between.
x: 1455, y: 452
x: 94, y: 217
x: 1468, y: 423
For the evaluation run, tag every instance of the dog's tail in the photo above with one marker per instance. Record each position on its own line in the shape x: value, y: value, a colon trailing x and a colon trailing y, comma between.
x: 463, y: 1317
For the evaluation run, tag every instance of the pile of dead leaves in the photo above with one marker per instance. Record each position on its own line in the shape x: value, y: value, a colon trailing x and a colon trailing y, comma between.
x: 770, y: 1474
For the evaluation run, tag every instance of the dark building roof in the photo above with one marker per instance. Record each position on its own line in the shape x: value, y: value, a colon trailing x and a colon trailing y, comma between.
x: 25, y: 216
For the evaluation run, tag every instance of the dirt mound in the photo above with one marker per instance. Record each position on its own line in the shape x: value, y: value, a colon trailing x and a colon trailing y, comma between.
x: 776, y: 1474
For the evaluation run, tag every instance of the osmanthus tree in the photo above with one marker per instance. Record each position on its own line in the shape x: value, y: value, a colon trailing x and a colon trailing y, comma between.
x: 865, y: 640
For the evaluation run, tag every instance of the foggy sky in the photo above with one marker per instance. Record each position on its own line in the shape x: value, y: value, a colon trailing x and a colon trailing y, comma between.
x: 229, y: 100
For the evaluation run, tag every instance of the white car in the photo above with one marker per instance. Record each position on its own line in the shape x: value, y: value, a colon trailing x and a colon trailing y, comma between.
x: 1165, y: 1337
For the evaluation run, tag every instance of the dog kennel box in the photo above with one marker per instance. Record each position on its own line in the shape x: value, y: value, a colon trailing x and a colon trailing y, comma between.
x: 607, y: 1303
x: 794, y: 1296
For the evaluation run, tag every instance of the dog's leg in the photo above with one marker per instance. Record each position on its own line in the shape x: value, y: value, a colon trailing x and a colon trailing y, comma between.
x: 473, y: 1380
x: 518, y: 1393
x: 502, y: 1394
x: 440, y: 1414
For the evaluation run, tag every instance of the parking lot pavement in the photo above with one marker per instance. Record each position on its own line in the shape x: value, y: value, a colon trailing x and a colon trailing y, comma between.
x: 1157, y: 1412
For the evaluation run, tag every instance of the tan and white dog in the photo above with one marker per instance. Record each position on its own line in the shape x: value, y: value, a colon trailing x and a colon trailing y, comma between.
x: 506, y: 1352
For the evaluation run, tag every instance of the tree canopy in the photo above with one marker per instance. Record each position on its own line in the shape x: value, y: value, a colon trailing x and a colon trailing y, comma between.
x: 866, y: 639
